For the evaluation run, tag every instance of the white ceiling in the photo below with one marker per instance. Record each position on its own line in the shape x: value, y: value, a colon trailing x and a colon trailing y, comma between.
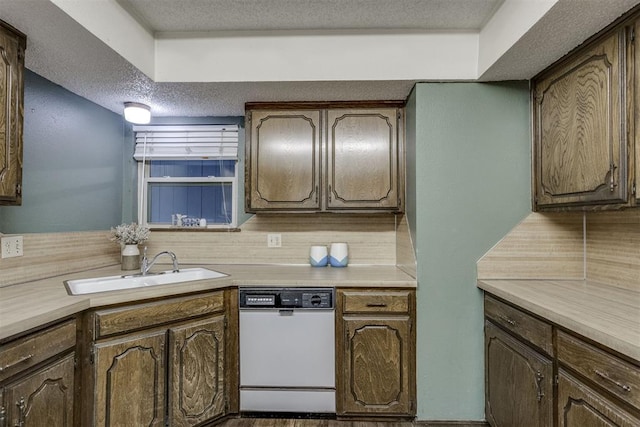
x: 171, y: 46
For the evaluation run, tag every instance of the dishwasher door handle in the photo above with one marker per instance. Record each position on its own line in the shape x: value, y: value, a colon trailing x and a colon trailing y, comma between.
x: 286, y: 312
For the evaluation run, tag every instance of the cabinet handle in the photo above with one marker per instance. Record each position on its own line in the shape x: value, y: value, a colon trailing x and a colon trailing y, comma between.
x: 376, y: 304
x: 612, y: 185
x: 608, y: 378
x: 20, y: 406
x: 17, y: 362
x: 506, y: 319
x: 539, y: 378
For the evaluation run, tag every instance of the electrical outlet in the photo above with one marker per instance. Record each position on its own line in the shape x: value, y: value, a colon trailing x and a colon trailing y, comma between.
x: 11, y: 246
x: 274, y: 240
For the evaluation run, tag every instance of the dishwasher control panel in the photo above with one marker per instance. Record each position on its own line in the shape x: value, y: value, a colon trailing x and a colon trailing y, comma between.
x: 279, y: 298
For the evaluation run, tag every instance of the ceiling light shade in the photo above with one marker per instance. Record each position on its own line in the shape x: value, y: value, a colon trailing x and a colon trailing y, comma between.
x: 137, y: 113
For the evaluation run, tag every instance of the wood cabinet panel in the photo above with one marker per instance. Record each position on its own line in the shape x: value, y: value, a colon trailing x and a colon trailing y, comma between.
x: 44, y: 397
x: 611, y: 373
x: 373, y: 302
x: 130, y: 370
x: 580, y: 145
x: 283, y: 167
x: 28, y: 351
x: 197, y: 362
x: 377, y: 366
x: 312, y: 157
x: 519, y: 390
x: 12, y: 48
x: 130, y: 318
x: 362, y: 166
x: 580, y: 406
x: 535, y: 331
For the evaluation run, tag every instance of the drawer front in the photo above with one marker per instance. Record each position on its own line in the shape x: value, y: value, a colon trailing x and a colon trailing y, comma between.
x: 25, y: 352
x: 376, y: 302
x: 122, y: 319
x: 612, y: 373
x: 535, y: 331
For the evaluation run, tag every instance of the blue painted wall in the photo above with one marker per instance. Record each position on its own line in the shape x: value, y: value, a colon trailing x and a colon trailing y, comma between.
x: 468, y: 152
x: 72, y: 163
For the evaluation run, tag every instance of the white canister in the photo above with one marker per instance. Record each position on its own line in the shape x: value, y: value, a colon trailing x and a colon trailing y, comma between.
x: 318, y: 256
x: 339, y: 255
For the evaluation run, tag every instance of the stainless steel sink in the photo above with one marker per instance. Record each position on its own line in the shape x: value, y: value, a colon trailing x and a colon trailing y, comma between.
x: 115, y: 283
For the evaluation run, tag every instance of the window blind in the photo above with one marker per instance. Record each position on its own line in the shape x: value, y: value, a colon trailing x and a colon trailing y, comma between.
x: 160, y: 142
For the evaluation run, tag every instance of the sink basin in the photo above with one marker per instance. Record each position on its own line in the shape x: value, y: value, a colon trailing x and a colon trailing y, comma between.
x: 115, y: 283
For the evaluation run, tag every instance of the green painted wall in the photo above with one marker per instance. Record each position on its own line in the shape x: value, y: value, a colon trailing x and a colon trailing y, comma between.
x: 72, y: 163
x: 469, y: 146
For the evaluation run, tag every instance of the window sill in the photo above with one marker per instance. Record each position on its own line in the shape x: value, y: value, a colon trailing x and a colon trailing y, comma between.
x: 196, y: 229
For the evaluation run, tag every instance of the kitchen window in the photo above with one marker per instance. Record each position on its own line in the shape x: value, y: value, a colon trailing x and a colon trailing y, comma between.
x: 188, y: 175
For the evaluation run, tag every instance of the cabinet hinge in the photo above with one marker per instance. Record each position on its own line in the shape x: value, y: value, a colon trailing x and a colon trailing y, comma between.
x: 3, y: 417
x: 19, y: 189
x: 92, y: 356
x: 556, y: 379
x: 633, y: 34
x: 633, y: 189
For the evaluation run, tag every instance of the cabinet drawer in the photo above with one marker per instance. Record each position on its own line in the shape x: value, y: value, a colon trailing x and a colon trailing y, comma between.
x: 376, y: 302
x: 123, y: 319
x: 25, y: 352
x: 610, y: 372
x: 528, y: 327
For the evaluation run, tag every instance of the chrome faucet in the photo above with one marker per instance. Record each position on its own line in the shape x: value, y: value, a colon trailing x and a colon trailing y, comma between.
x: 146, y: 265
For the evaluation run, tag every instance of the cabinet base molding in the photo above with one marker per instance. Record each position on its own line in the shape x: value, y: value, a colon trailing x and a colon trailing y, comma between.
x: 451, y: 423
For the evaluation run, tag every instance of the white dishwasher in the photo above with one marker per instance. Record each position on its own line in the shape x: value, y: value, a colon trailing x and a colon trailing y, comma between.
x: 287, y: 350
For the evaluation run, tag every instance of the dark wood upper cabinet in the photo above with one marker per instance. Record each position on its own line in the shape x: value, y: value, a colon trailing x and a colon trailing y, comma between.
x: 324, y: 157
x: 12, y: 47
x: 580, y: 141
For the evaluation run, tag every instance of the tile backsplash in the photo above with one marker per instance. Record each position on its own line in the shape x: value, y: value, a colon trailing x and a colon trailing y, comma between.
x: 371, y: 239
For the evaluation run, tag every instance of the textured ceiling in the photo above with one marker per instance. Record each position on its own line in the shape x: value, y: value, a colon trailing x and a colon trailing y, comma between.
x: 261, y: 15
x: 64, y: 52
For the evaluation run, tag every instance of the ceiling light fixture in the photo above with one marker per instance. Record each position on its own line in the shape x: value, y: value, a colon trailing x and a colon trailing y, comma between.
x: 137, y: 113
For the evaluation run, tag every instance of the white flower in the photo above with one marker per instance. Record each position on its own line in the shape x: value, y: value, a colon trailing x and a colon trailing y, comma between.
x: 130, y: 234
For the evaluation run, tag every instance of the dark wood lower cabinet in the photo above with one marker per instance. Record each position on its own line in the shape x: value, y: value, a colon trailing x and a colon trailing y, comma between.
x: 197, y: 361
x: 581, y: 406
x: 129, y: 380
x: 42, y: 398
x: 377, y: 366
x: 375, y: 351
x: 519, y: 387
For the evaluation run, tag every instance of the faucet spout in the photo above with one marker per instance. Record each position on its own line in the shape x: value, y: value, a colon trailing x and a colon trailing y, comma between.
x: 146, y: 265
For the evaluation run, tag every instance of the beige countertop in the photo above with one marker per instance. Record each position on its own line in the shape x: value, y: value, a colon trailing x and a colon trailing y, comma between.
x: 32, y: 304
x: 606, y: 314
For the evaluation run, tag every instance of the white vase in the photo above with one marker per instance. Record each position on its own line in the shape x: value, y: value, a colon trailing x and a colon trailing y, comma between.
x: 130, y: 257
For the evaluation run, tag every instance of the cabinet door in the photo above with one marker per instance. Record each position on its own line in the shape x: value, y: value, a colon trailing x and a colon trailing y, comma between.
x: 12, y: 46
x: 580, y: 154
x: 363, y: 159
x: 283, y: 160
x: 579, y: 406
x: 197, y: 390
x: 42, y: 398
x: 376, y: 364
x: 130, y: 380
x: 518, y: 385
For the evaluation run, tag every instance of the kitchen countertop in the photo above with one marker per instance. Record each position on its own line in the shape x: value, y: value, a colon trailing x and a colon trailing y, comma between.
x: 606, y: 314
x: 29, y: 305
